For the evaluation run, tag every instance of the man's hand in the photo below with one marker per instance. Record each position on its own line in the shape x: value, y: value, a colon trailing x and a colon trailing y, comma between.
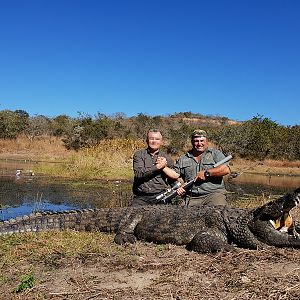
x: 200, y: 176
x: 161, y: 162
x: 181, y: 191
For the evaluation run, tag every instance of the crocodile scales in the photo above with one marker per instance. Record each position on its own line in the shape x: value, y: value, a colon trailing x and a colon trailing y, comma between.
x: 202, y: 229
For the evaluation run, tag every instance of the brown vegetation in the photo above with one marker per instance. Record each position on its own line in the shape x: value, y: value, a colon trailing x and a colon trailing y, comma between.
x: 266, y: 167
x: 82, y: 266
x: 112, y: 158
x: 253, y: 139
x: 42, y: 148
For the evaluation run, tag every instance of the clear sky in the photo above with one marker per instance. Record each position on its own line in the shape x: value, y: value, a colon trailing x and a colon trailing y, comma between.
x: 231, y: 58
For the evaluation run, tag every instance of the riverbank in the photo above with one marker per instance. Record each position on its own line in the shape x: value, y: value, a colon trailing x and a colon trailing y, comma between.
x: 110, y: 159
x: 89, y: 265
x: 82, y: 266
x: 266, y: 167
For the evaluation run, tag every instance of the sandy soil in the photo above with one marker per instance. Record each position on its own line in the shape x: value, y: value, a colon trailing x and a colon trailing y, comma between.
x: 148, y: 271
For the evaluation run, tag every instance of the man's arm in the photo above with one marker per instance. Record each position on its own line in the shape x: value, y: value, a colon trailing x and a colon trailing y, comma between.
x: 140, y: 170
x: 213, y: 172
x: 171, y: 173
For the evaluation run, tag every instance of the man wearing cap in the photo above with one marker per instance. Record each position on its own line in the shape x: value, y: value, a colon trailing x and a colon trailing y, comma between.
x: 209, y: 188
x: 148, y: 166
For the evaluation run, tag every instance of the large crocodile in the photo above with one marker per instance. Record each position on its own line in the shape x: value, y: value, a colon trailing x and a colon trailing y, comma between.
x: 201, y: 229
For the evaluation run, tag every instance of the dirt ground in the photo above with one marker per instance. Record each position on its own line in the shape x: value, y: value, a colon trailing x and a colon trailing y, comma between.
x: 101, y: 269
x: 148, y: 271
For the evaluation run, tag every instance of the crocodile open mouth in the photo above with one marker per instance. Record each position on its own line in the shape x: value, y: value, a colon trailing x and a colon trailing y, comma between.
x: 283, y: 224
x: 286, y: 223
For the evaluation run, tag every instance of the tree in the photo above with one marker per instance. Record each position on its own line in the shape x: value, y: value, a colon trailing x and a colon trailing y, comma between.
x: 88, y: 131
x: 38, y: 125
x: 12, y: 123
x: 61, y: 125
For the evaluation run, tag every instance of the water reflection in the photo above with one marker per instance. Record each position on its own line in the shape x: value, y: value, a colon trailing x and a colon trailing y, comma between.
x: 257, y: 184
x: 19, y: 196
x: 281, y: 181
x: 23, y: 192
x: 28, y: 208
x: 13, y: 167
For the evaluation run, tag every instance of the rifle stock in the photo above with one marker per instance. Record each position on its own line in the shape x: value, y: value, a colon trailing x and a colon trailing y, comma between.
x: 167, y: 199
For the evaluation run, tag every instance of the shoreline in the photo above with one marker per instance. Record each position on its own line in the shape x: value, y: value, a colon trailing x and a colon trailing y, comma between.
x: 237, y: 165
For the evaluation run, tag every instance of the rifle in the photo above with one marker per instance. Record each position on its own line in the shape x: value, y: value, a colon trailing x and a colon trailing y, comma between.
x: 170, y: 193
x: 167, y: 192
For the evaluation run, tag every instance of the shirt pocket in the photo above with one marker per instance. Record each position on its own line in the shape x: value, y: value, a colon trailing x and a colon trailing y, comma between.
x: 208, y: 164
x: 189, y: 172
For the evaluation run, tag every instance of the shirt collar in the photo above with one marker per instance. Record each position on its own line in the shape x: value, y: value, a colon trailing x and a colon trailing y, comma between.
x: 154, y: 153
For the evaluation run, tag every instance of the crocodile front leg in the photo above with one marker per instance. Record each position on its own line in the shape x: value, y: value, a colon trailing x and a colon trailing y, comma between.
x: 125, y: 233
x: 209, y: 241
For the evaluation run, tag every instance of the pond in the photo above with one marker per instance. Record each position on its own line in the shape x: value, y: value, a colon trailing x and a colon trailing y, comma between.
x: 258, y: 183
x: 22, y: 191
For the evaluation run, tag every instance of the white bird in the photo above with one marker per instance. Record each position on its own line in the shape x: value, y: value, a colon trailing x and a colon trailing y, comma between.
x: 18, y: 173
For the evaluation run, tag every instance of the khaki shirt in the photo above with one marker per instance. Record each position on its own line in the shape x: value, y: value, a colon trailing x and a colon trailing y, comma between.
x: 188, y: 168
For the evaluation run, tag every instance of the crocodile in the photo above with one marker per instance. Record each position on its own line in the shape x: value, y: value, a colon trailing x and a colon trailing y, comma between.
x: 202, y: 229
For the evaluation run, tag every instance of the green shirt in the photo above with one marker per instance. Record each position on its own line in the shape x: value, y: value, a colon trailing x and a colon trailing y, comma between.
x: 188, y: 168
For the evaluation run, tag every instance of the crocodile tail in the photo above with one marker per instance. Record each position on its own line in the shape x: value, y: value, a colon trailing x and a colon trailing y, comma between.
x: 106, y: 220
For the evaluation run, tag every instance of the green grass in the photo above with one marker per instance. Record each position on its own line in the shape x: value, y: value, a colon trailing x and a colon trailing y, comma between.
x: 27, y: 282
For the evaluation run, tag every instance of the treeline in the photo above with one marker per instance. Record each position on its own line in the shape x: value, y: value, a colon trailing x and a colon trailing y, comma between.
x: 258, y: 138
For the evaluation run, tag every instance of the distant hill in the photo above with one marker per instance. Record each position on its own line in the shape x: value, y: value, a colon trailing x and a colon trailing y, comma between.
x: 177, y: 120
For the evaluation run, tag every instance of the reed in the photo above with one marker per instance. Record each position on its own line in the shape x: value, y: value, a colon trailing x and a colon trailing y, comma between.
x: 41, y: 148
x: 110, y: 159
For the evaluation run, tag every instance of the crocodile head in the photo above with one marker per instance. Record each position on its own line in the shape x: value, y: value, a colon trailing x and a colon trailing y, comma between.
x: 285, y: 222
x: 279, y: 209
x: 272, y: 223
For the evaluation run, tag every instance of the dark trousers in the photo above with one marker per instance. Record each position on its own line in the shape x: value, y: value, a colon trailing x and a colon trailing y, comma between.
x: 138, y: 200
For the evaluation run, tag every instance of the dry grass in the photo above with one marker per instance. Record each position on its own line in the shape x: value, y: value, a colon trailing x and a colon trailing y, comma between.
x: 84, y: 266
x: 43, y: 148
x: 283, y: 163
x: 111, y: 159
x: 266, y: 167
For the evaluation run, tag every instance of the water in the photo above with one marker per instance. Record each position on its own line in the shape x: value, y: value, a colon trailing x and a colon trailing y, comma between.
x: 24, y: 195
x: 27, y: 192
x: 263, y: 184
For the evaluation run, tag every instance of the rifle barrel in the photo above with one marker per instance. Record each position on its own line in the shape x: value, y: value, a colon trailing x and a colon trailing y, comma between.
x: 223, y: 161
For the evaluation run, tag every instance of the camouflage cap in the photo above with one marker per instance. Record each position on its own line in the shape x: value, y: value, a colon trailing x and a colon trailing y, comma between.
x: 198, y: 133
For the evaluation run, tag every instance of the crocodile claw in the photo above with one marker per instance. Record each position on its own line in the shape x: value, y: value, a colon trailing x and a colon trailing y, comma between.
x: 123, y: 238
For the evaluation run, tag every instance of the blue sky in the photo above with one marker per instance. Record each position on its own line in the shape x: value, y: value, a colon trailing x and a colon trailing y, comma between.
x: 231, y: 58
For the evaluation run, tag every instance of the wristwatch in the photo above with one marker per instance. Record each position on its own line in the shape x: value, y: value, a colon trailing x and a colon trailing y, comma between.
x: 206, y: 174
